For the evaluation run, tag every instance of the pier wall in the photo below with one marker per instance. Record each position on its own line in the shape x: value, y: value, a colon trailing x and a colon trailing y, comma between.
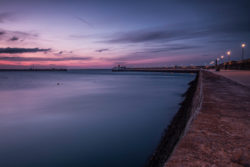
x: 219, y: 134
x: 180, y: 123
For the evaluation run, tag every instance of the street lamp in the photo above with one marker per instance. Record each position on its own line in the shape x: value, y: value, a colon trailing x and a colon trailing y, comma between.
x: 222, y: 61
x: 218, y: 60
x: 228, y: 54
x: 222, y: 57
x: 243, y: 45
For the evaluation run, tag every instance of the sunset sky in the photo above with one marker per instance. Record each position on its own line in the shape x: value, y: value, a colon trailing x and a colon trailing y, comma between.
x: 104, y: 33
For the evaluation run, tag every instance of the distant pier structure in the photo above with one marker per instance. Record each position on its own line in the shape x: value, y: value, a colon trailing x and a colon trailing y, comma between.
x: 158, y: 69
x: 119, y: 68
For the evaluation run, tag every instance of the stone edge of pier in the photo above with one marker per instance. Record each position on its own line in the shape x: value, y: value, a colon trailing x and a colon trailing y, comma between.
x: 210, y: 128
x: 179, y: 124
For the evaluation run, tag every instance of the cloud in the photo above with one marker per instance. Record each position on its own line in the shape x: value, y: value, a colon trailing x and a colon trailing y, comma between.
x: 84, y: 21
x: 182, y: 32
x: 102, y: 50
x: 170, y: 48
x: 87, y: 36
x: 22, y: 50
x: 14, y: 39
x: 23, y: 34
x: 155, y: 52
x: 7, y: 35
x: 43, y: 59
x: 2, y: 32
x: 5, y: 16
x: 140, y: 36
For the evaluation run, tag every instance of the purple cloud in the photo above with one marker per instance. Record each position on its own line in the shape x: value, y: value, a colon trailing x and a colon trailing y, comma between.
x: 43, y: 59
x: 102, y: 50
x: 22, y: 50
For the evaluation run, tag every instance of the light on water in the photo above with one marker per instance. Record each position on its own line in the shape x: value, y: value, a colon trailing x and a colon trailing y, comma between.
x: 85, y: 118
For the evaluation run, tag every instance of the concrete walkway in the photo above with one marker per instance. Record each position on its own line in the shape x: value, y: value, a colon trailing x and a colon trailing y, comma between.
x: 220, y: 134
x: 240, y: 76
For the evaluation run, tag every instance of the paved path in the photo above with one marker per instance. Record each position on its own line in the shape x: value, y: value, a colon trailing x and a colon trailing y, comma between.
x: 220, y: 134
x: 240, y: 76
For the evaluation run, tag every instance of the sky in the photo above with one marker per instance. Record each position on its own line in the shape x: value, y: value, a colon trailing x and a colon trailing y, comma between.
x: 134, y: 33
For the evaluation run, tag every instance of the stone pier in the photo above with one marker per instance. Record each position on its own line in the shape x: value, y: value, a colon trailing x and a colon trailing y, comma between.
x: 219, y: 134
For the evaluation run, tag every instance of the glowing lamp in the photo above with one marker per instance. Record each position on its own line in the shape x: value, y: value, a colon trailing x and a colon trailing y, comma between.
x: 212, y: 62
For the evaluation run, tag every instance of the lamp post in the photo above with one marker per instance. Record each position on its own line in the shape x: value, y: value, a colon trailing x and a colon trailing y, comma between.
x: 228, y: 55
x: 222, y: 61
x: 218, y: 60
x: 243, y: 45
x: 222, y: 57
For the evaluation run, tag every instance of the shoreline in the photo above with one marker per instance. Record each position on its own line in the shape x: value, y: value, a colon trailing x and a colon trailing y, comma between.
x: 180, y: 122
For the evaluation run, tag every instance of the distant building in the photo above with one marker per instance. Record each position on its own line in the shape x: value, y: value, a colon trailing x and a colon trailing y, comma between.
x: 119, y: 68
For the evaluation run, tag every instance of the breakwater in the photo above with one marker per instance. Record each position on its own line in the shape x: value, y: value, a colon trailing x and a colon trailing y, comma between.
x: 181, y: 121
x: 157, y: 70
x: 219, y: 135
x: 211, y: 127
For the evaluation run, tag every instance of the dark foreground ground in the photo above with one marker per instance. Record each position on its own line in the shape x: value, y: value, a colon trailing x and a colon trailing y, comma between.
x: 220, y: 134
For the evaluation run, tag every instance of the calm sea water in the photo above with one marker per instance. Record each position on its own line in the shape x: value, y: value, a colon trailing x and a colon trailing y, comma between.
x: 92, y: 118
